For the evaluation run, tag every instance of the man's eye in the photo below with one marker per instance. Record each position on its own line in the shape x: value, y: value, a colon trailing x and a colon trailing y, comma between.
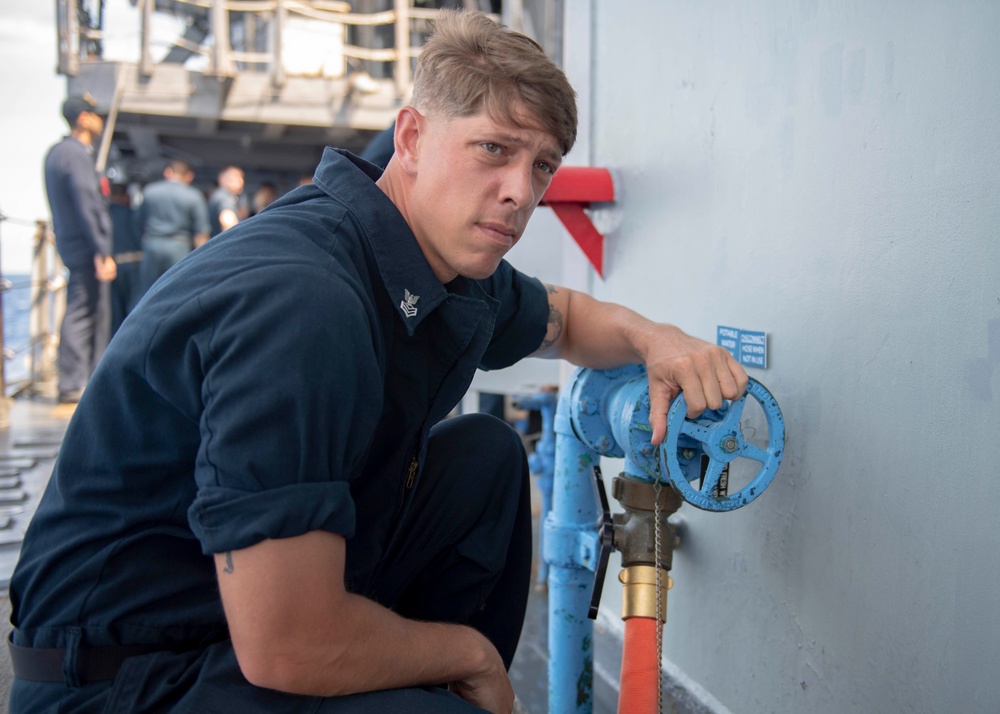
x: 492, y: 148
x: 545, y: 167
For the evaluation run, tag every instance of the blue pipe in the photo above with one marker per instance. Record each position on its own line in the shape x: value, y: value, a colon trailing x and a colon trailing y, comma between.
x: 571, y: 549
x: 606, y: 413
x: 585, y: 428
x: 628, y: 419
x: 541, y: 462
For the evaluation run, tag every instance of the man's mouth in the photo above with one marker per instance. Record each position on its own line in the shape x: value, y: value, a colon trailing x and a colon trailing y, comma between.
x: 499, y: 232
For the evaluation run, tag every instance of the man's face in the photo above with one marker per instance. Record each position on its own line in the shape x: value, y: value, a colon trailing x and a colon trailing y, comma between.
x: 232, y: 180
x: 93, y: 123
x: 477, y: 182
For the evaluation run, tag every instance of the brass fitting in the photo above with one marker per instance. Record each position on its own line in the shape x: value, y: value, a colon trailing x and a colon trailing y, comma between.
x: 639, y: 594
x: 635, y: 529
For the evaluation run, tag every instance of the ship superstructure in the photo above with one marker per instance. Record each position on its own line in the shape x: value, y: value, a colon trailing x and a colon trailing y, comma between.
x: 264, y: 84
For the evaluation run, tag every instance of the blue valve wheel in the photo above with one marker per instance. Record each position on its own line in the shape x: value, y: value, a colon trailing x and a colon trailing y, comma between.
x: 719, y: 436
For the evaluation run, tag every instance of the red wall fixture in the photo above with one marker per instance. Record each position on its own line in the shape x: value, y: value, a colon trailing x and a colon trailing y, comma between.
x: 573, y: 189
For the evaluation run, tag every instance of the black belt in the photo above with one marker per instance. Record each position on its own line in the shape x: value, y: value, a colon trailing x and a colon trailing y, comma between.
x: 173, y: 236
x: 93, y: 664
x: 132, y: 256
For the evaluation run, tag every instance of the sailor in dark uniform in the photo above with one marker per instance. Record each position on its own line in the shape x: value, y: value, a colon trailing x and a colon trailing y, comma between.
x: 84, y: 240
x: 264, y: 508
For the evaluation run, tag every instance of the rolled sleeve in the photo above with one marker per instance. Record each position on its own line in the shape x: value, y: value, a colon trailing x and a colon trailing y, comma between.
x: 227, y: 519
x: 522, y: 318
x: 287, y: 410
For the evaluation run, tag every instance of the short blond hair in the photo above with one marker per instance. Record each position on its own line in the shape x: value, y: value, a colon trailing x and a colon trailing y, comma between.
x: 471, y: 63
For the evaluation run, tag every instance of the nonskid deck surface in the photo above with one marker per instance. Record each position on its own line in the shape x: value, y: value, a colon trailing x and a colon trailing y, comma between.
x: 28, y: 450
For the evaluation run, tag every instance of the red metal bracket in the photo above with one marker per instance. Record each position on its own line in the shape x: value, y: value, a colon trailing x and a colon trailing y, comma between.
x: 572, y: 189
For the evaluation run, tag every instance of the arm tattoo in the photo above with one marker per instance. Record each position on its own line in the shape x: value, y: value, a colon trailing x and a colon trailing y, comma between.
x: 555, y: 323
x: 229, y: 562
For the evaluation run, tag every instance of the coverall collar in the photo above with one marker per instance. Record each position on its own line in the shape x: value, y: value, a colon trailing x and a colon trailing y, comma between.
x: 413, y: 287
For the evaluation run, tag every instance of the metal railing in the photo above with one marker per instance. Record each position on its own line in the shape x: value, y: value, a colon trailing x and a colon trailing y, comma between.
x: 46, y: 284
x: 261, y: 18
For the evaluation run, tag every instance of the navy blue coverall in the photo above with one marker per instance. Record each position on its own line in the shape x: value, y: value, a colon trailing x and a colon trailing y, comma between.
x: 171, y: 215
x: 82, y: 226
x: 284, y: 378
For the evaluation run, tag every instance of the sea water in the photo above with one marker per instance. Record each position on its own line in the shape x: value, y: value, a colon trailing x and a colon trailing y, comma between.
x: 17, y: 328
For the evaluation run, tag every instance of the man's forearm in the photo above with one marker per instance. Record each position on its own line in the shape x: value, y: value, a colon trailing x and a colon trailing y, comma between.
x: 316, y: 639
x: 602, y: 335
x: 376, y: 650
x: 591, y: 333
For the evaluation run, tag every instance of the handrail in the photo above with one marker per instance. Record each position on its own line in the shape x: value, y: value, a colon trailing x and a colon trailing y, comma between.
x: 48, y: 306
x: 192, y: 47
x: 47, y: 285
x: 225, y: 61
x: 266, y: 5
x: 4, y: 404
x: 330, y: 11
x: 109, y: 124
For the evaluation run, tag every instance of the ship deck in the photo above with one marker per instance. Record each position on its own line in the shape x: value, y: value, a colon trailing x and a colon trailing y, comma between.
x: 28, y: 449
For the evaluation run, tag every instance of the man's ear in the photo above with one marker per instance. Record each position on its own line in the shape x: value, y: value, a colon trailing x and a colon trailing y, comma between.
x: 409, y: 127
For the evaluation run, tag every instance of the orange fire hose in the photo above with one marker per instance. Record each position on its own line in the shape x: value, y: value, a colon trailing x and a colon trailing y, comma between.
x: 640, y: 668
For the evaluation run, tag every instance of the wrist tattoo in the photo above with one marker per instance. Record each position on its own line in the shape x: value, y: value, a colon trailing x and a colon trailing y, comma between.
x: 229, y: 562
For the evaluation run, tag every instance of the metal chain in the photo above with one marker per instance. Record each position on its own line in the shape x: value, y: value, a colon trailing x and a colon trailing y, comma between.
x: 657, y: 549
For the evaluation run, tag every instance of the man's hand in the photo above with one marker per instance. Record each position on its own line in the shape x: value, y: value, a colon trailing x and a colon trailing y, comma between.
x: 228, y: 219
x: 489, y: 689
x: 105, y: 268
x: 706, y: 373
x: 601, y: 335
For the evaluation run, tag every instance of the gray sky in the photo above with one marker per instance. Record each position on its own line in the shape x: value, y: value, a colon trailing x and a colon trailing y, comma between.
x: 29, y: 121
x: 30, y: 118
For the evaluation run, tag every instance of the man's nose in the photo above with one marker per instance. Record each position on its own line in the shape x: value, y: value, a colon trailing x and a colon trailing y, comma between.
x: 518, y: 186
